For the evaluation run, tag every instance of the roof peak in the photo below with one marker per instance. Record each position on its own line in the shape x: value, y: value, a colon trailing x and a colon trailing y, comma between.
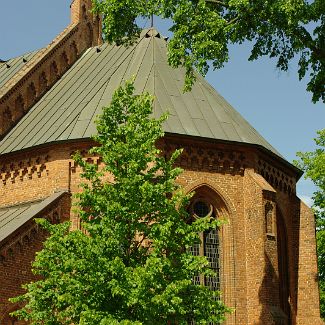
x: 150, y: 32
x: 202, y: 112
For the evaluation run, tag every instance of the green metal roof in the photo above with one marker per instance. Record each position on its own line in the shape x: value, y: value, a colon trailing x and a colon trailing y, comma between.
x: 13, y: 217
x: 69, y: 108
x: 9, y: 68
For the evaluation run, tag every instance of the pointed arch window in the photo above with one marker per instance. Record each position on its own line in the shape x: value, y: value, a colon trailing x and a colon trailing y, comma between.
x: 209, y: 245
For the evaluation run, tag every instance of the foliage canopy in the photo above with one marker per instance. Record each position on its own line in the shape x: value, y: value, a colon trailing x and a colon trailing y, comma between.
x: 203, y: 29
x: 131, y: 263
x: 313, y: 163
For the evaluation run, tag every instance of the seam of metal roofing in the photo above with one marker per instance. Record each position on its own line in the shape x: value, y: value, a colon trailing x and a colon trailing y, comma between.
x: 69, y: 109
x: 13, y: 217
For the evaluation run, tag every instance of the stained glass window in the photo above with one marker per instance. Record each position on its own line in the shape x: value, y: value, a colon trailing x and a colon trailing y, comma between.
x: 211, y: 251
x: 201, y: 209
x: 209, y: 247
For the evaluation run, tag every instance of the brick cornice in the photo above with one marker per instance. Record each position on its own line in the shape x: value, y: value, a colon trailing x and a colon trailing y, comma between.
x: 23, y: 169
x: 224, y: 159
x: 276, y: 177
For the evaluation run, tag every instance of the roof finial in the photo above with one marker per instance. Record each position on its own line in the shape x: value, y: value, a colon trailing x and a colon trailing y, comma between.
x: 151, y: 21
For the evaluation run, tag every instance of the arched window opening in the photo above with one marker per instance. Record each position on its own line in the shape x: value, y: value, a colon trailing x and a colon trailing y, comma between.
x: 73, y: 53
x: 269, y: 224
x: 19, y: 107
x: 216, y: 244
x: 42, y: 83
x: 209, y: 245
x: 84, y: 12
x: 64, y: 62
x: 7, y: 120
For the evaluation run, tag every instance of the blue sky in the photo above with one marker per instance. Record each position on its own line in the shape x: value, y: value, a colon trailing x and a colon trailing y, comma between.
x: 275, y: 103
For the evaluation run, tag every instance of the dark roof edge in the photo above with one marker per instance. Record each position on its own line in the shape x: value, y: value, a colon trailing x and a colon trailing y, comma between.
x: 44, y: 145
x: 31, y: 213
x: 49, y: 200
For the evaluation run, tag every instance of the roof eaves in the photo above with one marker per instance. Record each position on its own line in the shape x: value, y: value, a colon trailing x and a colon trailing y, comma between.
x: 35, y: 208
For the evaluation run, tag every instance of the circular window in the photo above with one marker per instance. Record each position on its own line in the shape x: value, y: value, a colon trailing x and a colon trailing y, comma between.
x: 201, y: 209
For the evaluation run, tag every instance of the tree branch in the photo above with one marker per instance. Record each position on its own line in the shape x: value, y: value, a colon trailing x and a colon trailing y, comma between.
x: 232, y: 21
x: 220, y: 3
x: 306, y: 39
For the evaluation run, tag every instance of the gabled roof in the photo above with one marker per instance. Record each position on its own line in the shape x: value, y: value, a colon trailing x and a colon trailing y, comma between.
x: 9, y: 68
x: 13, y: 217
x: 69, y: 108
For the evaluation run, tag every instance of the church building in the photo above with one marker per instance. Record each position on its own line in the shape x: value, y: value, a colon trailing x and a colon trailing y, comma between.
x: 265, y: 255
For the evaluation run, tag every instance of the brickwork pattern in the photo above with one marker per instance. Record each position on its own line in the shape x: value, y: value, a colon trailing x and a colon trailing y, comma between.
x: 18, y: 252
x: 249, y: 275
x: 307, y: 297
x: 250, y: 188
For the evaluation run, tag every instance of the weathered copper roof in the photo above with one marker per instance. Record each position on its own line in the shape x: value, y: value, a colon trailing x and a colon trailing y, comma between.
x: 13, y: 217
x: 68, y: 110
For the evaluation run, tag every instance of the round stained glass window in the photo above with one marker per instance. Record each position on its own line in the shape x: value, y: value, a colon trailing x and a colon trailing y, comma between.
x: 201, y: 209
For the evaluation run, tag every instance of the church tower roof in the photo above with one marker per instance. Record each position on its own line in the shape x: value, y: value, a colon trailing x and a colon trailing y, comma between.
x: 68, y: 110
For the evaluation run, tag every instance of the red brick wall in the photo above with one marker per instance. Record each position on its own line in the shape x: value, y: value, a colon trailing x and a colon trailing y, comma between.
x: 18, y: 252
x: 308, y: 295
x: 249, y: 279
x: 15, y: 270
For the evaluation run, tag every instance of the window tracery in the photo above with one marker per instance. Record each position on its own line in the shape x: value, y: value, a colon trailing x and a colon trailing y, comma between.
x: 209, y: 244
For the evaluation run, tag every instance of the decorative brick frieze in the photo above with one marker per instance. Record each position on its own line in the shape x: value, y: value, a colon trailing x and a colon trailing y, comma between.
x: 208, y: 158
x: 276, y: 177
x: 24, y: 169
x: 96, y: 160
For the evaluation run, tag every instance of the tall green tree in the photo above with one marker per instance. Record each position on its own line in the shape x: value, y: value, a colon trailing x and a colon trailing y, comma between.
x: 313, y: 163
x: 203, y: 29
x: 131, y: 263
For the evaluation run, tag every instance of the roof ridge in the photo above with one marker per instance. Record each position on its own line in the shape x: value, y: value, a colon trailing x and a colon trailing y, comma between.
x: 28, y: 84
x: 21, y: 55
